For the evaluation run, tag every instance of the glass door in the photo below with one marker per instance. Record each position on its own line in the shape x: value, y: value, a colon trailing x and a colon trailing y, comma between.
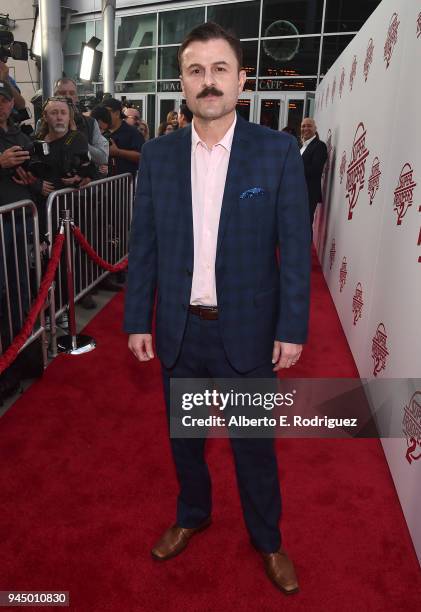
x: 295, y: 108
x: 271, y: 110
x: 245, y: 106
x: 166, y: 102
x: 137, y: 101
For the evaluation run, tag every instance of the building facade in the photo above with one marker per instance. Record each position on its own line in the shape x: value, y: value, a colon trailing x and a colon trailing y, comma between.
x: 288, y: 47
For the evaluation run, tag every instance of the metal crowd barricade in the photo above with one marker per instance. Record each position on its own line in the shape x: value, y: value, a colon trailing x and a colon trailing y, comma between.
x: 20, y: 272
x: 103, y: 211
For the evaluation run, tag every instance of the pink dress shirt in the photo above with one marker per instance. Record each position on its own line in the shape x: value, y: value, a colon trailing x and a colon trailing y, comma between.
x: 209, y: 168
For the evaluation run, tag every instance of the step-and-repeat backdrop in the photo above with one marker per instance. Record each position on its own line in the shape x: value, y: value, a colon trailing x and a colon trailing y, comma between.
x: 368, y: 231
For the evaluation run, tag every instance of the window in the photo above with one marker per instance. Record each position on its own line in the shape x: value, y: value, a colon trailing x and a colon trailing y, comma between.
x: 289, y: 57
x: 78, y: 33
x: 250, y: 57
x: 332, y: 48
x: 71, y: 66
x: 136, y: 31
x: 168, y: 63
x: 348, y: 16
x: 241, y: 17
x: 280, y: 18
x: 175, y: 25
x: 135, y: 65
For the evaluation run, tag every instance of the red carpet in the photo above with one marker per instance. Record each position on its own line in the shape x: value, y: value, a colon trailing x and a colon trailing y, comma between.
x: 87, y: 486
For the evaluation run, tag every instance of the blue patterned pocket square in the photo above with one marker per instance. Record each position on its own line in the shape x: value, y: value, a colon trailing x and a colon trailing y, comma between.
x: 252, y: 193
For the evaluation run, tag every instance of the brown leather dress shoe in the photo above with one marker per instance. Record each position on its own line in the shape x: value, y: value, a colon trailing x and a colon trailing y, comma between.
x: 175, y: 540
x: 280, y: 569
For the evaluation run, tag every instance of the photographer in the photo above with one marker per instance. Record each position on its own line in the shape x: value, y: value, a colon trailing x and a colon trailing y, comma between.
x: 125, y: 143
x: 98, y: 145
x: 68, y: 157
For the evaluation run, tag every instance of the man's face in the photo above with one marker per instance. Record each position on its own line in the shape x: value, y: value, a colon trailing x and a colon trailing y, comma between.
x: 132, y: 116
x: 67, y: 90
x: 211, y: 79
x: 57, y: 116
x: 6, y: 107
x: 308, y: 129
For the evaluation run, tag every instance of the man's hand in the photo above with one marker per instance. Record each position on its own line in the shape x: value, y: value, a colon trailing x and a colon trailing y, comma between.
x: 285, y: 354
x: 85, y: 181
x: 141, y: 346
x: 71, y: 180
x: 47, y: 188
x: 12, y: 157
x: 25, y: 178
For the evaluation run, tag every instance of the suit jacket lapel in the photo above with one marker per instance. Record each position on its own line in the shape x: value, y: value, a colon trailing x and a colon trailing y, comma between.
x: 239, y: 156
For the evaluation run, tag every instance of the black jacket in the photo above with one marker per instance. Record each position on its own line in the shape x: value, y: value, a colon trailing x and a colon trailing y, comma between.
x: 9, y: 190
x: 314, y: 159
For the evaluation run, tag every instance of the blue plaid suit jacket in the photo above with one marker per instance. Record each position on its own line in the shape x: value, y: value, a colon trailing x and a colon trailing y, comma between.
x: 264, y: 206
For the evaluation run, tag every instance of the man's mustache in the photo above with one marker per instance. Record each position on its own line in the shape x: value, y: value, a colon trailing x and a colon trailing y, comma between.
x: 210, y: 91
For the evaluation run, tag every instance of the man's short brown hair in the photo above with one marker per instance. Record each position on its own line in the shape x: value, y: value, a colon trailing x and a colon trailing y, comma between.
x: 212, y: 31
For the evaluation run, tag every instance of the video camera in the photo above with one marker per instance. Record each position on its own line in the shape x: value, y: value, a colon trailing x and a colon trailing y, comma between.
x: 9, y: 47
x: 36, y: 164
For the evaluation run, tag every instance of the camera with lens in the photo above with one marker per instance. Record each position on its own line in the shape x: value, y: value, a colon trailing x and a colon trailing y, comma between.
x: 37, y: 164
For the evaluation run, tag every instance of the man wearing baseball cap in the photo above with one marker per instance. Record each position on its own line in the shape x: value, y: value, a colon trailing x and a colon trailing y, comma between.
x: 126, y: 141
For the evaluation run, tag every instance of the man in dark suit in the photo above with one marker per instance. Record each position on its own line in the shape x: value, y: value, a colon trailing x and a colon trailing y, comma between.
x: 204, y: 236
x: 314, y: 154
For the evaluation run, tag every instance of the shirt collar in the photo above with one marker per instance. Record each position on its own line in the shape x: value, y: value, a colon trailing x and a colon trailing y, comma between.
x: 226, y: 140
x: 307, y: 142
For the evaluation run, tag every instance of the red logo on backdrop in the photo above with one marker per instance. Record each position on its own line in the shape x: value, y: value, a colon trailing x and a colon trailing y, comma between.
x: 356, y: 168
x: 342, y: 82
x: 333, y: 88
x: 391, y: 38
x: 419, y: 26
x: 332, y: 254
x: 343, y: 166
x: 379, y: 350
x: 343, y: 274
x: 353, y: 73
x: 404, y: 192
x: 374, y: 179
x: 357, y: 303
x: 327, y: 94
x: 411, y: 427
x: 368, y: 58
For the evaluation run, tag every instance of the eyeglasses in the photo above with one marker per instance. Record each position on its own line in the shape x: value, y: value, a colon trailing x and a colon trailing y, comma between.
x: 65, y: 99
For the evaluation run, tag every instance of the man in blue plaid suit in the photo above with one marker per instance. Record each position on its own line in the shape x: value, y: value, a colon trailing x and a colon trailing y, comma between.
x: 214, y: 202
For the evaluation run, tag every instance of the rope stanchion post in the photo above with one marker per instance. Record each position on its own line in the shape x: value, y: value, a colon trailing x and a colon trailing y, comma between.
x: 72, y: 344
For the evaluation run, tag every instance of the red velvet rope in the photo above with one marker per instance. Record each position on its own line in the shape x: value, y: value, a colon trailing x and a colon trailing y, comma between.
x: 18, y: 342
x: 93, y: 255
